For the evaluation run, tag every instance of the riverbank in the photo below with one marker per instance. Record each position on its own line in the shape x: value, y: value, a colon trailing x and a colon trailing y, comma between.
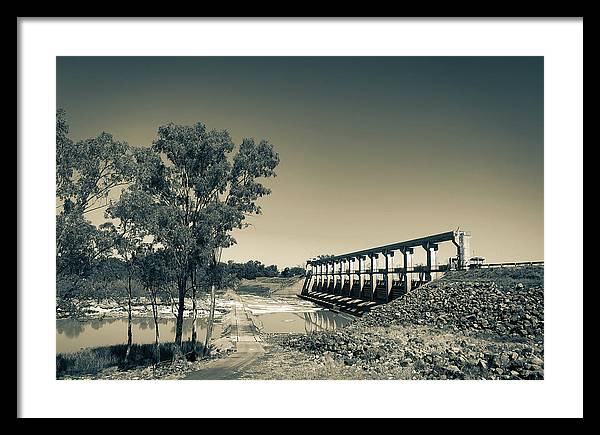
x: 108, y: 362
x: 141, y: 308
x: 116, y: 308
x: 261, y: 311
x: 396, y: 352
x: 236, y: 345
x: 478, y: 324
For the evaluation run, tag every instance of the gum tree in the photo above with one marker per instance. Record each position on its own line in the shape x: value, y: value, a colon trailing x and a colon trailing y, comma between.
x: 87, y: 171
x: 130, y: 213
x: 153, y: 269
x: 201, y: 191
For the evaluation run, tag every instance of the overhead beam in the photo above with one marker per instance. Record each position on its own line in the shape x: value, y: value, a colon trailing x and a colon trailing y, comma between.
x: 449, y: 236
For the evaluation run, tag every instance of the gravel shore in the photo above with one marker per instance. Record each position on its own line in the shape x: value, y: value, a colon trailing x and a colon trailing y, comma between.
x: 477, y: 324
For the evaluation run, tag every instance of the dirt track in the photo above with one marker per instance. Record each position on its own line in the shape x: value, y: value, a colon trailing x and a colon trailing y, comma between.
x: 248, y: 347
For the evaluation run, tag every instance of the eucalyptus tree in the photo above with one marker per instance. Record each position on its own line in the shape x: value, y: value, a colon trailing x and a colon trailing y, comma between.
x: 199, y: 281
x: 201, y: 191
x: 130, y: 213
x: 87, y: 171
x: 153, y: 269
x: 220, y: 275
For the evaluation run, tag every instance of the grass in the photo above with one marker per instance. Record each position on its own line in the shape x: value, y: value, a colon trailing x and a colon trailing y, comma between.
x: 505, y: 277
x: 93, y: 360
x: 269, y: 285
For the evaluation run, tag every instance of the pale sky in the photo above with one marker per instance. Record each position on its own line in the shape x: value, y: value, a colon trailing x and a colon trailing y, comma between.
x: 374, y: 150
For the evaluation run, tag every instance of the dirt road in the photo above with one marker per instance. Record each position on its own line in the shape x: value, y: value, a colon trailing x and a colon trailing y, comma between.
x: 248, y: 347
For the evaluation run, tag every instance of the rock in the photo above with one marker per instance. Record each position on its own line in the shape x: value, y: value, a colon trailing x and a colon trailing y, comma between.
x: 493, y: 320
x: 470, y: 305
x: 504, y: 360
x: 453, y: 369
x: 536, y: 361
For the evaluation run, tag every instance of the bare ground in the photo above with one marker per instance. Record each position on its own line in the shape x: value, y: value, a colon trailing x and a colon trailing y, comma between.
x: 401, y: 352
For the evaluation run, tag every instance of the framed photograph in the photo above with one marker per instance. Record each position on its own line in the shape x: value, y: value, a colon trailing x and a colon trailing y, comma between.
x: 372, y: 208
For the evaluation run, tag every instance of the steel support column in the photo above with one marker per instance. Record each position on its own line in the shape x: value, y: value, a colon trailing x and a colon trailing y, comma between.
x: 361, y: 273
x: 350, y: 275
x: 341, y: 275
x: 387, y: 278
x: 431, y: 250
x: 374, y: 266
x: 407, y: 253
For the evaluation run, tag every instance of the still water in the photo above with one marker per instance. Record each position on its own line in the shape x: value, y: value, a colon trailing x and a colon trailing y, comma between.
x: 322, y: 320
x: 74, y: 335
x: 291, y: 315
x: 270, y: 315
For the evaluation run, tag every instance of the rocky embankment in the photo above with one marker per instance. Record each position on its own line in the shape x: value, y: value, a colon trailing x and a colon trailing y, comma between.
x: 477, y: 324
x: 500, y: 302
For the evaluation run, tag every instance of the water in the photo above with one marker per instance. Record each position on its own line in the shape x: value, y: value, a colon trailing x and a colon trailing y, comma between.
x: 292, y: 315
x: 306, y: 322
x: 270, y: 315
x: 73, y: 335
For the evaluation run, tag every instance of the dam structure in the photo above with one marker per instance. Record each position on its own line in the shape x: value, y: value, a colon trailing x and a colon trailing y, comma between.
x: 356, y: 281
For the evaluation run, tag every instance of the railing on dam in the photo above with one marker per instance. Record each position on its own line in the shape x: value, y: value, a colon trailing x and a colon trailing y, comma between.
x: 348, y: 274
x: 508, y: 264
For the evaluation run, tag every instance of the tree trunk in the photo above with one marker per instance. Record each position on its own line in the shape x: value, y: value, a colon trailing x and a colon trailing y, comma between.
x: 194, y: 317
x: 153, y: 300
x: 209, y: 325
x: 157, y: 332
x: 211, y: 316
x: 177, y: 350
x: 129, y: 320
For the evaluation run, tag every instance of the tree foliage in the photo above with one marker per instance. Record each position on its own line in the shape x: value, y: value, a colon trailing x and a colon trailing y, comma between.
x: 199, y: 193
x: 178, y: 200
x: 87, y: 170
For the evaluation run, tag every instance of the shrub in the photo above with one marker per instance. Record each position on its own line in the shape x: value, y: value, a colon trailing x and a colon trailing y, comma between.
x: 91, y: 361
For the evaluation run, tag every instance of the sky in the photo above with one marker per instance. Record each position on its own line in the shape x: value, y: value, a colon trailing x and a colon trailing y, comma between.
x: 373, y: 150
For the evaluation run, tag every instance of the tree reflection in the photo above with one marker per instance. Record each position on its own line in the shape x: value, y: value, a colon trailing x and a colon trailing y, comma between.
x: 91, y: 330
x: 71, y: 328
x: 142, y: 322
x: 97, y: 323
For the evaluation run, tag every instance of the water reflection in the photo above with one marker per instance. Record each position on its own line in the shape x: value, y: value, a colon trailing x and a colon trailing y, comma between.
x: 69, y: 328
x: 271, y: 316
x: 299, y: 322
x: 324, y: 321
x: 73, y: 335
